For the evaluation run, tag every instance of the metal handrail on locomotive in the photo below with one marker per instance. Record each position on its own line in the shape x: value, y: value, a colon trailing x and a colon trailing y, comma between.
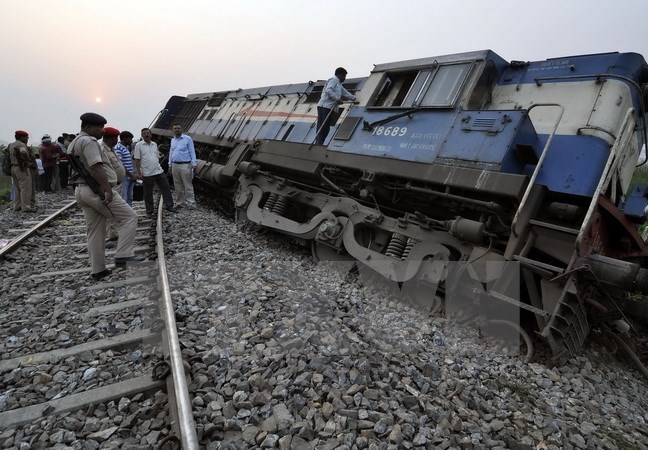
x: 500, y: 183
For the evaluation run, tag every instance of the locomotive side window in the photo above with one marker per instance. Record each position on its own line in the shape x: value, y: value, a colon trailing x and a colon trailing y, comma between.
x: 395, y: 88
x: 482, y: 94
x: 444, y: 87
x: 438, y: 86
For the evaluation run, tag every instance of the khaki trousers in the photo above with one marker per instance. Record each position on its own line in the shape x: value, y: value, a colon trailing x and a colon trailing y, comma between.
x: 23, y: 181
x: 96, y: 214
x: 182, y: 180
x: 111, y: 225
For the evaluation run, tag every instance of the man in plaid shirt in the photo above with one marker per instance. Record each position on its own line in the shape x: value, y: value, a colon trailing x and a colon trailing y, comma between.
x: 122, y: 149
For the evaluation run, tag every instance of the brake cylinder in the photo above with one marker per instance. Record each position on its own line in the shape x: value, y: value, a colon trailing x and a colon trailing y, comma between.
x: 466, y: 229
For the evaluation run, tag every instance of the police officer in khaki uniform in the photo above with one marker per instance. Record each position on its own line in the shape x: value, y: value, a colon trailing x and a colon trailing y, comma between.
x: 95, y: 210
x: 22, y: 173
x: 110, y: 137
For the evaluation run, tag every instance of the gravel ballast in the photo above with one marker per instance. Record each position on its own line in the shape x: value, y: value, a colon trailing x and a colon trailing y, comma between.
x: 284, y: 352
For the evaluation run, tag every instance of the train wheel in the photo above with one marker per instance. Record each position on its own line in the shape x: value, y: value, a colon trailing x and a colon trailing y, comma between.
x: 323, y: 252
x: 424, y: 297
x: 524, y: 345
x: 240, y: 216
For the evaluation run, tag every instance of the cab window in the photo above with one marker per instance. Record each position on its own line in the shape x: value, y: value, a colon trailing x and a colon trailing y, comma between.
x: 437, y: 86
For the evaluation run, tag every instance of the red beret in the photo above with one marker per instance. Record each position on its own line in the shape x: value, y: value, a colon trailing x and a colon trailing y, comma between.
x: 21, y: 133
x: 110, y: 131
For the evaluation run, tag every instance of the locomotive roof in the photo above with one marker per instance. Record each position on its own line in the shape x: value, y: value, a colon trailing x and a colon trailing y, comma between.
x: 443, y: 59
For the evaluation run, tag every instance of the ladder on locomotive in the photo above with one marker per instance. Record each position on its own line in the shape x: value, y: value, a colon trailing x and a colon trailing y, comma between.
x: 567, y: 327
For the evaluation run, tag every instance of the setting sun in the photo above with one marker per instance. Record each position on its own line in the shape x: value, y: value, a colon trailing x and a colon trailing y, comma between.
x: 98, y: 99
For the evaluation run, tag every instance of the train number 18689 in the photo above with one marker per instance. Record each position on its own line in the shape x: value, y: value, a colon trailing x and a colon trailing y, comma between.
x: 389, y: 131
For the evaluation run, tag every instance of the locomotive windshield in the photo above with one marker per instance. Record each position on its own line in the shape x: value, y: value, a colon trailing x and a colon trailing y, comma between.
x: 437, y: 86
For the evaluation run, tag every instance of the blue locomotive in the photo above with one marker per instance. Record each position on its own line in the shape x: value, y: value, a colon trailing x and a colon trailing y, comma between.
x: 493, y: 183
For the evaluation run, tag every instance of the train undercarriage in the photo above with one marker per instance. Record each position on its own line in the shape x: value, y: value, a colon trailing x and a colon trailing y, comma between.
x: 451, y: 249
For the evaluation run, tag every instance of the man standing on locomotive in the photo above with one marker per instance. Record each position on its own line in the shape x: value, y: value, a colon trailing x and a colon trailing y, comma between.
x: 327, y: 107
x: 97, y: 210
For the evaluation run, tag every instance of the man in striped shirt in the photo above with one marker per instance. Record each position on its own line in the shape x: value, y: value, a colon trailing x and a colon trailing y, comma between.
x: 122, y: 149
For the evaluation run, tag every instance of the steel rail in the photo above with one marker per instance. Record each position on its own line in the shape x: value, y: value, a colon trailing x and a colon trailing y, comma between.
x: 19, y: 240
x: 186, y: 421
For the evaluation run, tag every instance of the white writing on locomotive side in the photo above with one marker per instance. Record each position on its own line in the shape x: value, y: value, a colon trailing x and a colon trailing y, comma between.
x: 416, y: 146
x: 376, y: 148
x: 432, y: 136
x: 389, y: 131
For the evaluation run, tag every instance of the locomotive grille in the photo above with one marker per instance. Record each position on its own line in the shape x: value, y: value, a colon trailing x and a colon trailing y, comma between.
x: 490, y: 123
x: 217, y: 99
x: 189, y: 112
x: 483, y: 123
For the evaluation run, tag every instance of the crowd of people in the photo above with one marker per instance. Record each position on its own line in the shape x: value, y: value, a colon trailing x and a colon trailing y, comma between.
x: 45, y: 170
x: 108, y: 167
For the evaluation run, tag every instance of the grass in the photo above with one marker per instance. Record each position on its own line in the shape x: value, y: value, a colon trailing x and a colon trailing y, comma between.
x: 5, y: 196
x: 5, y: 189
x: 640, y: 176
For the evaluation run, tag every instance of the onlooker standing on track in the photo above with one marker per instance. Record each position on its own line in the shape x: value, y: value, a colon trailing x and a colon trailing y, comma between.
x: 122, y: 150
x: 147, y: 164
x: 23, y: 173
x: 95, y: 210
x: 182, y: 162
x: 39, y: 173
x: 332, y: 96
x: 108, y: 143
x: 49, y: 153
x: 64, y: 164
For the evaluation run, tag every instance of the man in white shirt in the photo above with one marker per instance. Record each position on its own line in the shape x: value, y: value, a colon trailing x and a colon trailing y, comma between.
x: 332, y: 96
x: 147, y: 164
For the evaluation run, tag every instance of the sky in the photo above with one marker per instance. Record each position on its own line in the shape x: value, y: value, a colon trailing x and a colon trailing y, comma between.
x: 60, y: 57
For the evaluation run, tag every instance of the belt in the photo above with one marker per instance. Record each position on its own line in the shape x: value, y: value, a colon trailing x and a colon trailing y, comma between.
x: 83, y: 183
x: 181, y: 162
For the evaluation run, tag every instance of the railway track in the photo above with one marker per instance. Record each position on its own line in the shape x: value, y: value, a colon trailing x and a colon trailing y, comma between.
x: 80, y: 345
x: 279, y: 352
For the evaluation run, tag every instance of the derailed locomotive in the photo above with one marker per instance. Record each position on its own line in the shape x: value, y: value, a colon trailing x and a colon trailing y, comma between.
x: 504, y: 183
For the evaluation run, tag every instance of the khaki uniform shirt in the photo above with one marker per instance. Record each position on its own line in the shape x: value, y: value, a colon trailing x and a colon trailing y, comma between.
x: 115, y: 162
x: 90, y: 153
x: 17, y: 147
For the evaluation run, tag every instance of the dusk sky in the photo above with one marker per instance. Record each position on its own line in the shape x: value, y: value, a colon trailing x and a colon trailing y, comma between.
x: 61, y: 57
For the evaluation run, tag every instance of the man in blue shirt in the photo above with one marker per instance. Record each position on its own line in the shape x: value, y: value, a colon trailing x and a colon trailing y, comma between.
x: 182, y: 162
x: 122, y: 149
x: 332, y: 96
